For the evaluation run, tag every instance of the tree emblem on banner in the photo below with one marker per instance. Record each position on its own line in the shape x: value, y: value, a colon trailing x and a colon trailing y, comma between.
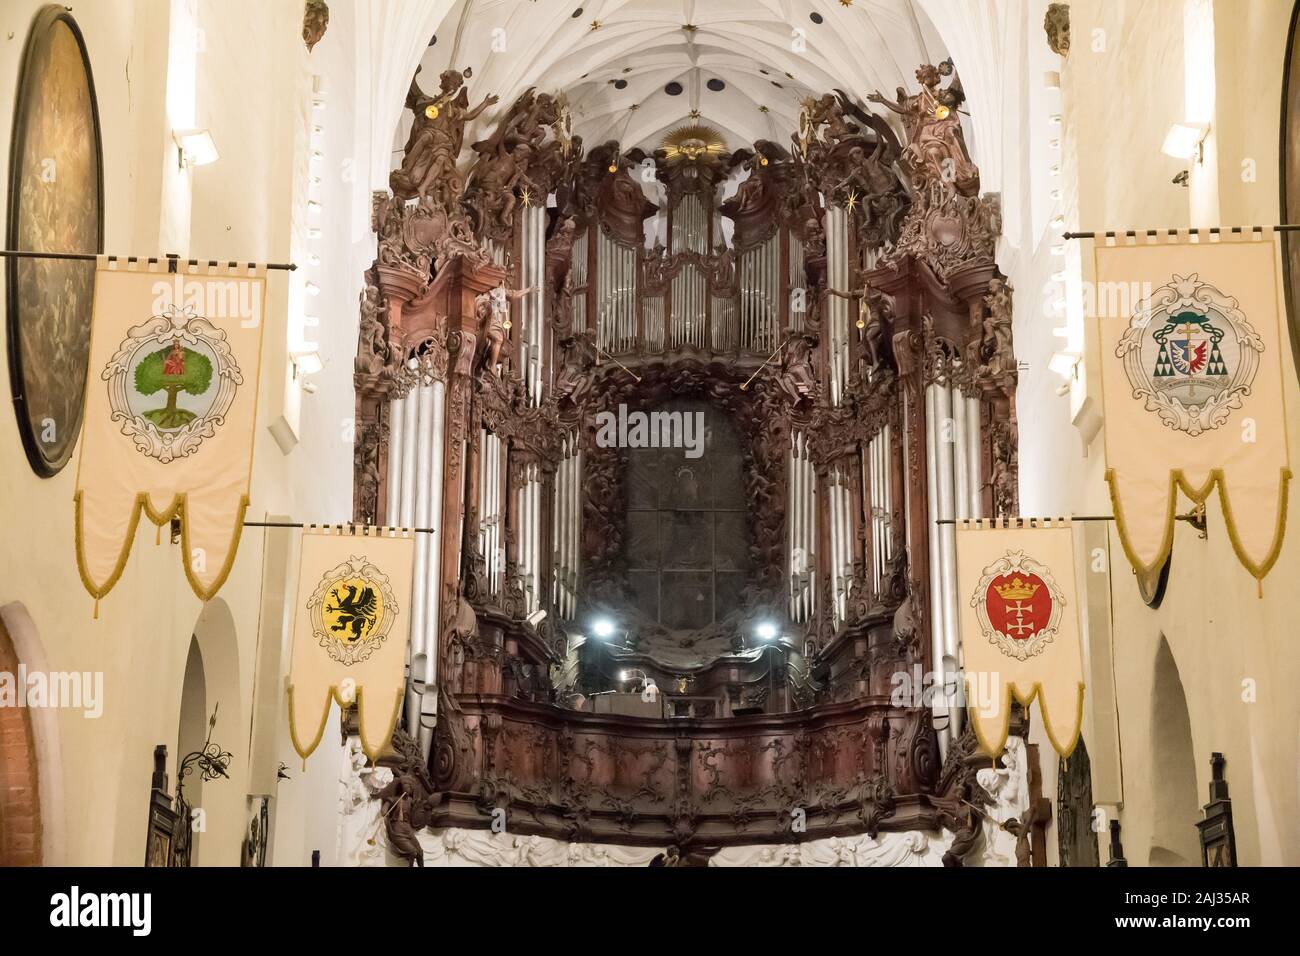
x: 1018, y: 605
x: 352, y: 610
x: 1190, y: 354
x: 171, y: 383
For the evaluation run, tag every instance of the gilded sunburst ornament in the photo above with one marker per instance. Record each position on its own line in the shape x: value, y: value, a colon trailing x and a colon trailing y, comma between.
x: 693, y: 144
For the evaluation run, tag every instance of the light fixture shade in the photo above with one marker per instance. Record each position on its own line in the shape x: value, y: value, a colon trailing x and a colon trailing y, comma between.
x: 307, y: 363
x: 1183, y: 140
x: 196, y: 146
x: 1064, y: 364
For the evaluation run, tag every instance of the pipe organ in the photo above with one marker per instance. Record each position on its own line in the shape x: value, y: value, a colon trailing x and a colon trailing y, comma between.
x: 852, y: 333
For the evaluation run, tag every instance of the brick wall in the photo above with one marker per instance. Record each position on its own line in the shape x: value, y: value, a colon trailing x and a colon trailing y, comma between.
x: 20, y: 804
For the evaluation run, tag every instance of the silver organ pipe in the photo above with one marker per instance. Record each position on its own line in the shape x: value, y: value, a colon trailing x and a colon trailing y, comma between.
x: 689, y: 287
x: 423, y: 462
x: 803, y: 530
x: 937, y: 607
x: 837, y: 308
x: 566, y: 525
x: 837, y: 577
x: 652, y: 307
x: 760, y: 296
x: 578, y: 268
x: 531, y: 307
x: 415, y: 500
x: 528, y: 500
x: 615, y: 295
x: 797, y: 280
x: 974, y: 464
x: 393, y: 509
x: 491, y: 467
x: 948, y: 533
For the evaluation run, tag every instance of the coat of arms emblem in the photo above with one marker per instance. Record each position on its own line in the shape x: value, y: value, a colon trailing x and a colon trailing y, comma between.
x: 352, y: 610
x: 1018, y: 605
x: 1190, y: 354
x: 171, y: 383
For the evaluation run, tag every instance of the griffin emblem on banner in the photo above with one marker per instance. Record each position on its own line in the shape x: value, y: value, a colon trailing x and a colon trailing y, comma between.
x: 1018, y: 605
x: 171, y: 383
x: 1190, y: 354
x: 352, y: 610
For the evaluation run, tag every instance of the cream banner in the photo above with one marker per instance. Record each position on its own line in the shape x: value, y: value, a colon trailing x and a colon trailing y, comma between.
x: 171, y: 399
x: 1191, y: 365
x: 1020, y: 626
x: 351, y: 624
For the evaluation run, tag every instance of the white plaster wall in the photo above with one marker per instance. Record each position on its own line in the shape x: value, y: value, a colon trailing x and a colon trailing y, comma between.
x: 1122, y: 89
x: 251, y: 73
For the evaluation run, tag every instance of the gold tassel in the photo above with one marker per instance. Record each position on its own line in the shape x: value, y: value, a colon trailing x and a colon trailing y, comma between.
x: 95, y: 615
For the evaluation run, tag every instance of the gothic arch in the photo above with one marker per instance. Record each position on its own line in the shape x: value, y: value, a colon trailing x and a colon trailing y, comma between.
x: 1172, y: 761
x: 31, y: 829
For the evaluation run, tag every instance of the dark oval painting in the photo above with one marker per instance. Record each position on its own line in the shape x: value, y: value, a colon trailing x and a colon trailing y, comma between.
x: 55, y: 205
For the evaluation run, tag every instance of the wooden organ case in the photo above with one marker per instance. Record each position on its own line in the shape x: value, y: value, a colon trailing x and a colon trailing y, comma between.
x: 842, y: 309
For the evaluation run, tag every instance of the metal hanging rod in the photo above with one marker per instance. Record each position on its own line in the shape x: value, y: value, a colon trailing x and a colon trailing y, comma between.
x: 170, y: 260
x: 1212, y: 230
x: 299, y: 524
x: 1009, y: 519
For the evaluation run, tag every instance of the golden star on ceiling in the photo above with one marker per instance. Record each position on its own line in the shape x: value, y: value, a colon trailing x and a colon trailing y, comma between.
x: 595, y: 24
x: 694, y: 114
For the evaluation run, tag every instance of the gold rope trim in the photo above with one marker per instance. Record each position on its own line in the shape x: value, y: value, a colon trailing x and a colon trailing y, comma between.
x: 177, y: 509
x: 1178, y: 480
x: 1025, y: 701
x: 332, y: 694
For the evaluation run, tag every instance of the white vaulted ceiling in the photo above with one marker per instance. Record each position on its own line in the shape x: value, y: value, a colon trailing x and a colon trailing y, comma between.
x: 615, y: 58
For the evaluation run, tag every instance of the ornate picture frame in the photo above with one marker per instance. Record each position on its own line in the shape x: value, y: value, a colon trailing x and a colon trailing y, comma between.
x: 56, y: 204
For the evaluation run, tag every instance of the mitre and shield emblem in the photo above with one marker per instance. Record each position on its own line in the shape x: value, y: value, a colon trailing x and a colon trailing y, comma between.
x: 171, y: 382
x: 352, y: 610
x: 1190, y: 354
x: 1018, y: 605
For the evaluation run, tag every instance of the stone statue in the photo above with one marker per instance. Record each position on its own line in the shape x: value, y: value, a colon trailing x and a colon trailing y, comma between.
x: 437, y: 134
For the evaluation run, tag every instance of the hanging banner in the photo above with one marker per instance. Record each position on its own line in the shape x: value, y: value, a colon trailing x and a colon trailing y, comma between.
x: 351, y: 624
x: 171, y: 399
x: 1020, y: 627
x: 1191, y: 366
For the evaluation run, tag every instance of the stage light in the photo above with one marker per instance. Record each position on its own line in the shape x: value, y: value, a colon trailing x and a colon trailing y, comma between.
x: 602, y: 627
x: 766, y: 631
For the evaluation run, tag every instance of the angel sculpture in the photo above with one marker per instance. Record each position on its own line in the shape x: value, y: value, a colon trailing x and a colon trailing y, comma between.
x: 437, y: 135
x: 491, y: 312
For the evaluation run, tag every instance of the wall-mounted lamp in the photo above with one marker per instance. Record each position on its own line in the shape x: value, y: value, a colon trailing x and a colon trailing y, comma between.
x: 306, y: 363
x: 194, y: 147
x: 1066, y: 365
x: 1186, y: 141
